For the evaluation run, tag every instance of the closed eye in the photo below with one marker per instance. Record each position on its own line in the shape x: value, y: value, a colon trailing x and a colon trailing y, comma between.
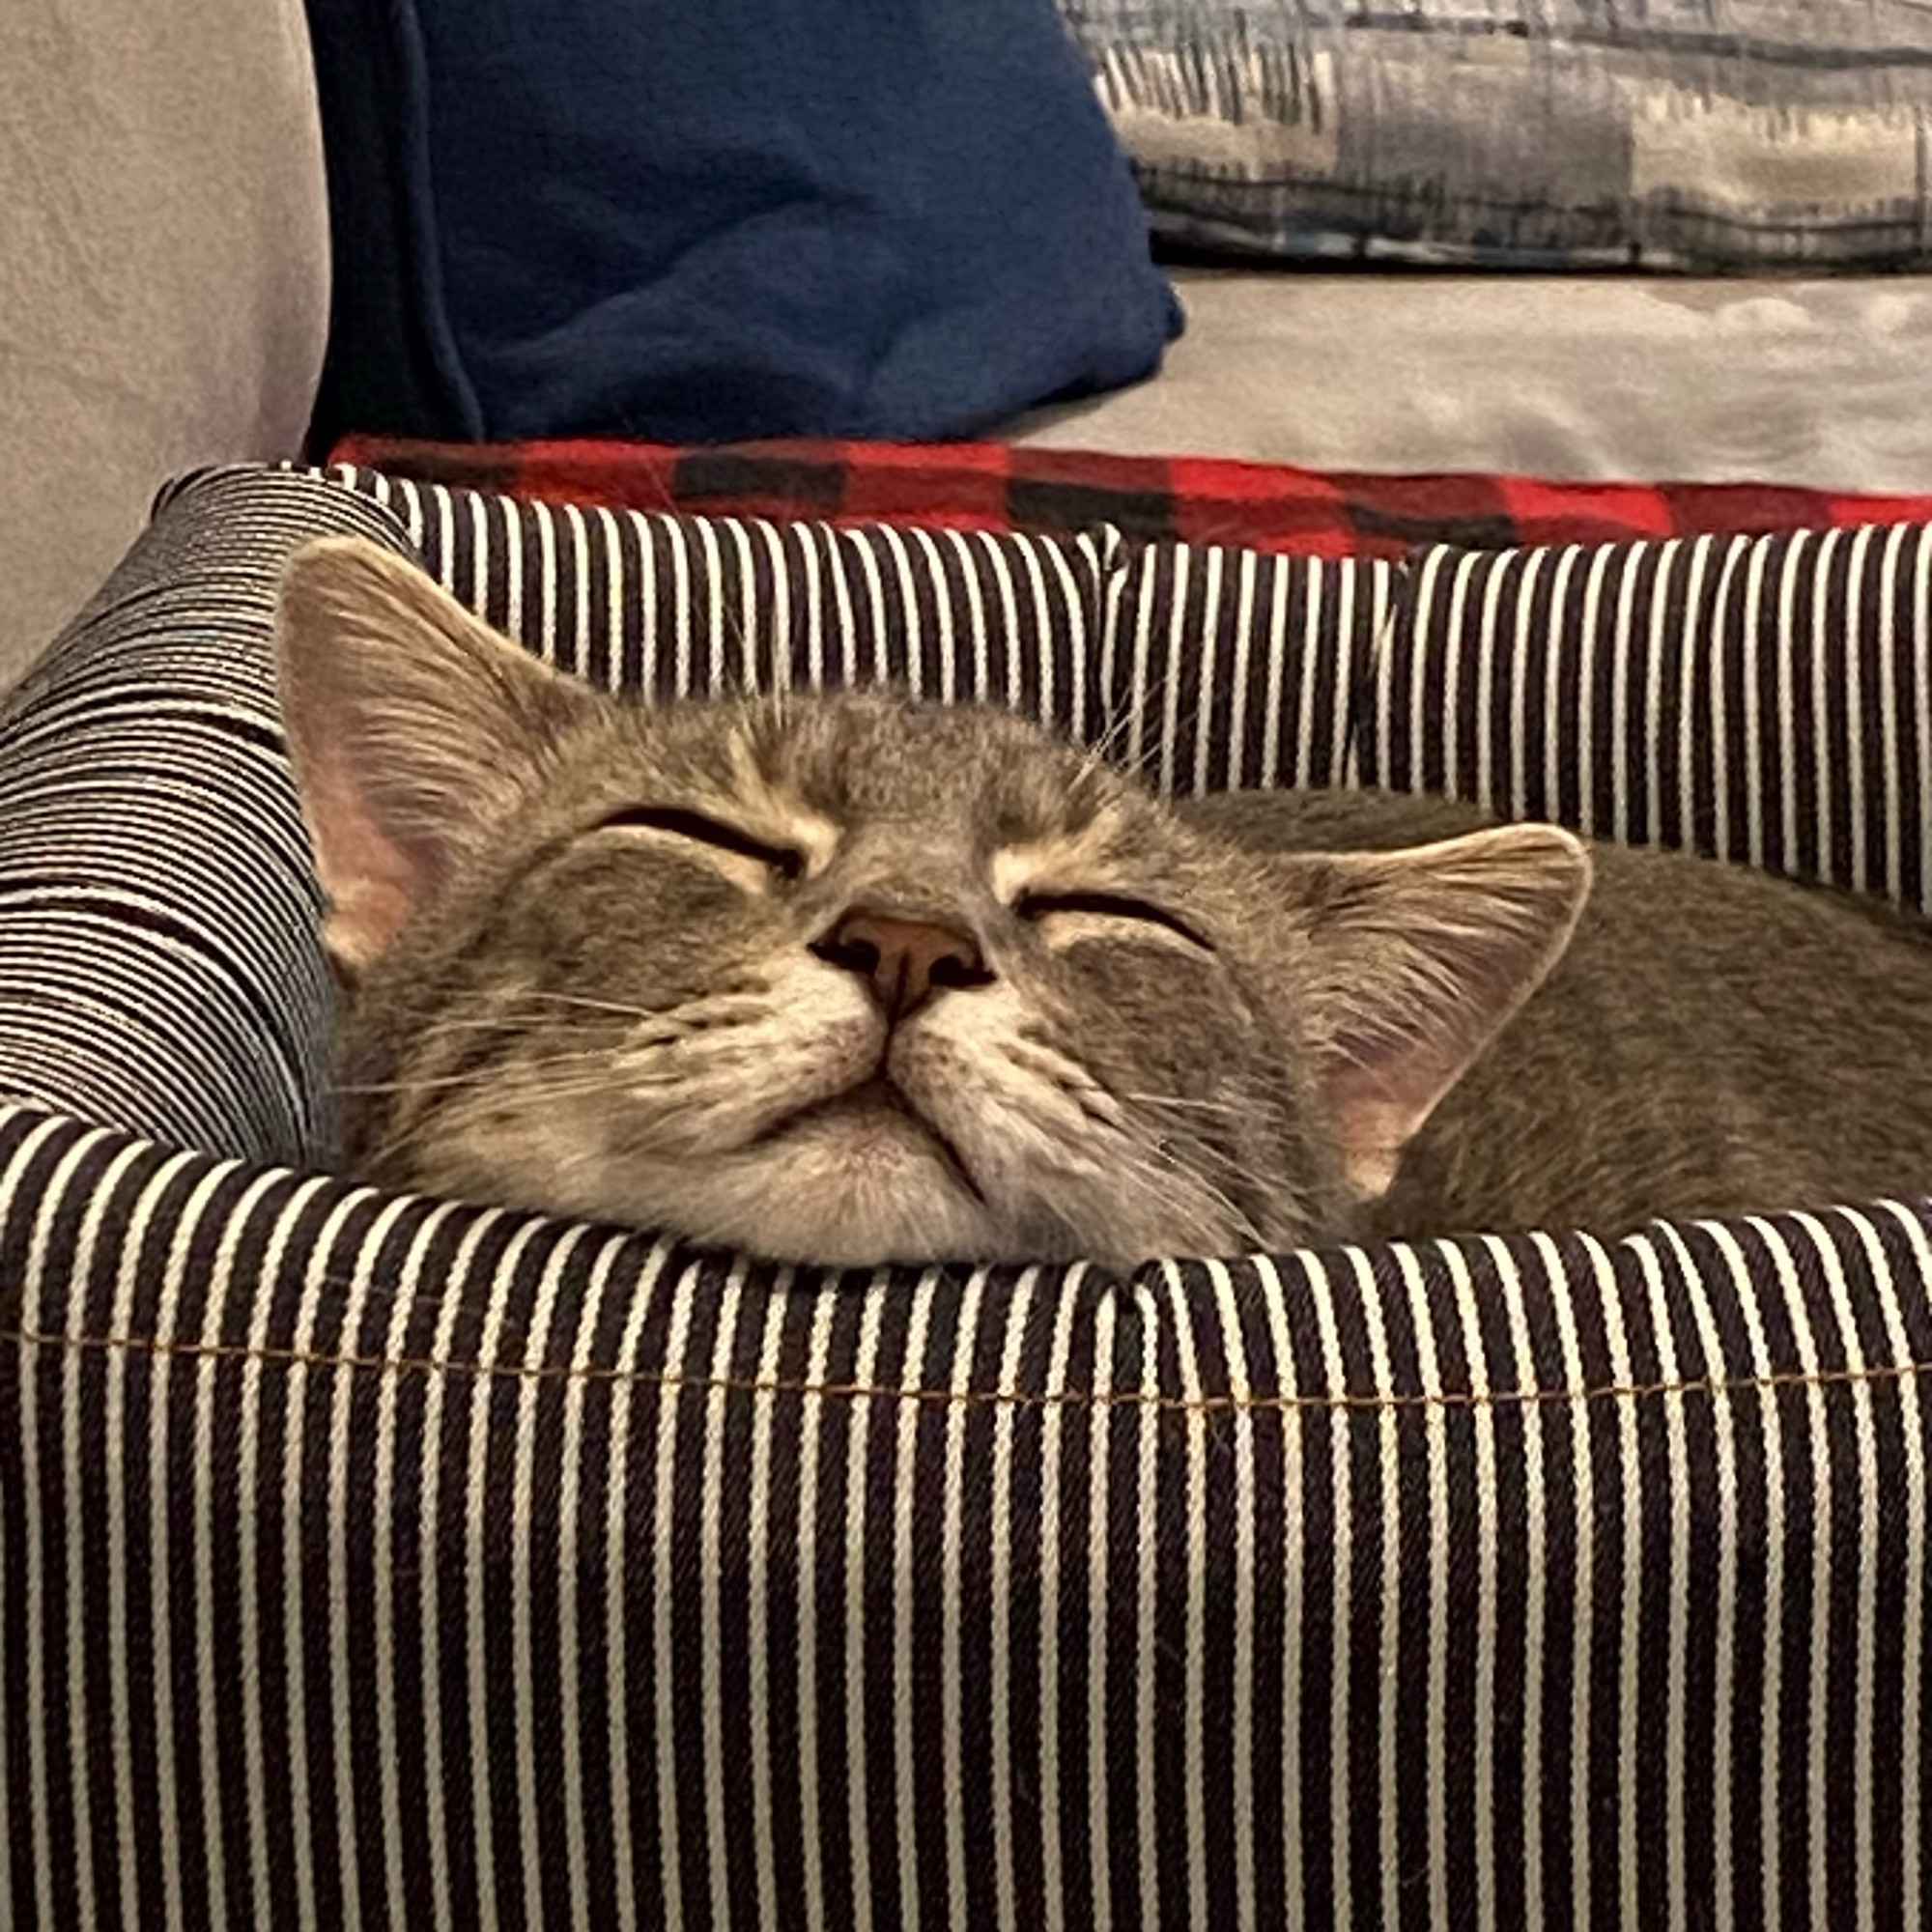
x: 786, y: 862
x: 1107, y: 905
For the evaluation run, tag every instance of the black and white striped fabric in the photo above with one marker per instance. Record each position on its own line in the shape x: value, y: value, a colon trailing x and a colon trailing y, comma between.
x: 376, y: 1562
x: 1769, y: 699
x: 676, y: 606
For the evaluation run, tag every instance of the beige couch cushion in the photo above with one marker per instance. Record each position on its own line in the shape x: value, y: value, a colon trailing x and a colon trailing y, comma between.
x: 163, y: 272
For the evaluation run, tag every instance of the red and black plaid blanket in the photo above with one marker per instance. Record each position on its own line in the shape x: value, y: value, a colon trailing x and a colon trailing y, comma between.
x: 995, y: 486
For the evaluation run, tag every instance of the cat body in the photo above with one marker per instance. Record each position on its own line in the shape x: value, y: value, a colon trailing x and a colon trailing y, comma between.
x: 1713, y: 1041
x: 849, y: 979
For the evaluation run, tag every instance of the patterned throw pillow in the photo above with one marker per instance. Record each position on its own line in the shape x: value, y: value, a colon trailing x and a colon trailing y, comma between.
x: 1689, y: 134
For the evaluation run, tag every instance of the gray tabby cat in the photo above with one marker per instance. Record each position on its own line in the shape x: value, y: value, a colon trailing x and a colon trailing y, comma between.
x: 853, y: 978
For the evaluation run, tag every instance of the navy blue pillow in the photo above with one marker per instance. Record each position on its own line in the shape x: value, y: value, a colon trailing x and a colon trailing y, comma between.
x: 712, y: 219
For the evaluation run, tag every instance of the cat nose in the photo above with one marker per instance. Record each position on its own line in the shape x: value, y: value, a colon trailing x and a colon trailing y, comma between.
x: 906, y: 958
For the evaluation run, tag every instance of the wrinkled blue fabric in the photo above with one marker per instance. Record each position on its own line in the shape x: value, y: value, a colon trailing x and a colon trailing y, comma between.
x: 704, y: 220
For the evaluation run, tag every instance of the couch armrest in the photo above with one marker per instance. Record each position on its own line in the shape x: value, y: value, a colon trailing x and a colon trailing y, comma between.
x: 163, y: 272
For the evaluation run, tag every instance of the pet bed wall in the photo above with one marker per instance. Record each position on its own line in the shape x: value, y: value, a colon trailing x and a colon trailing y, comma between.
x: 372, y: 1561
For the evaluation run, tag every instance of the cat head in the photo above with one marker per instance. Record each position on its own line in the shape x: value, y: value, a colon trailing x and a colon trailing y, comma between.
x: 851, y: 979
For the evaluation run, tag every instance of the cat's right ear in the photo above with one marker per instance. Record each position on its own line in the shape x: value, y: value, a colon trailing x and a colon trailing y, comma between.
x: 414, y: 729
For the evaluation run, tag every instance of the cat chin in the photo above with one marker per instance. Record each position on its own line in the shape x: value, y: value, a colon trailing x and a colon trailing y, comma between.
x: 856, y: 1180
x: 814, y: 1204
x: 846, y: 1193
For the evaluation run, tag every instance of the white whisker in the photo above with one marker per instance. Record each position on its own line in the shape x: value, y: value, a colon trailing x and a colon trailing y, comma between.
x: 1166, y: 1100
x: 596, y: 1005
x: 504, y: 1023
x: 483, y: 1077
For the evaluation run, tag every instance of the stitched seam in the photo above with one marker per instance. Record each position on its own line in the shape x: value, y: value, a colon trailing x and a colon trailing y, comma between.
x: 753, y: 1386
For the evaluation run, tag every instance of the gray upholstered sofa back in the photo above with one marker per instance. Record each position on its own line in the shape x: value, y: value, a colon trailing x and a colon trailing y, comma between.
x: 163, y: 272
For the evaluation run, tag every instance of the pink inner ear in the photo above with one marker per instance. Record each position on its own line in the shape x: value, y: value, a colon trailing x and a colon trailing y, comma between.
x: 371, y: 882
x: 1377, y: 1103
x: 411, y: 727
x: 362, y: 925
x: 1438, y: 948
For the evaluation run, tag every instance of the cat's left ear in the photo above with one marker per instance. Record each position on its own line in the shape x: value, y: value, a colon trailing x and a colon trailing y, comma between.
x: 1412, y: 963
x: 413, y: 729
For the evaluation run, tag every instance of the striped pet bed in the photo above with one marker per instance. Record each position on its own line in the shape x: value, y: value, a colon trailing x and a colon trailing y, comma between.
x: 369, y: 1561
